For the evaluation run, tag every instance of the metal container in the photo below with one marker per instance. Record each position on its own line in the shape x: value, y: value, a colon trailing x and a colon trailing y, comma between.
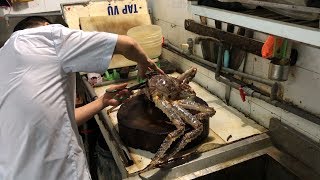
x: 278, y: 72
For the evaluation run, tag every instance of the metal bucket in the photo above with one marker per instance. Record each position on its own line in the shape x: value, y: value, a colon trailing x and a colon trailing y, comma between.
x: 278, y: 72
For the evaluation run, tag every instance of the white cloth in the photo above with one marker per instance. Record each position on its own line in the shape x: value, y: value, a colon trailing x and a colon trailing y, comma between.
x: 38, y: 134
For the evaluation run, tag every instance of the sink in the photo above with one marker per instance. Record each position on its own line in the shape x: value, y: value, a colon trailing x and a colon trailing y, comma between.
x: 253, y: 158
x: 260, y: 168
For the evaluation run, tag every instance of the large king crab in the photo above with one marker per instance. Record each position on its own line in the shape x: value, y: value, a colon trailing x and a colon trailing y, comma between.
x: 175, y: 97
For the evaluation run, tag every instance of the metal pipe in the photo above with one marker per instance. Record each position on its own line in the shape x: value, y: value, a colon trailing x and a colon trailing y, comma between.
x: 223, y: 69
x: 274, y: 85
x: 247, y: 76
x: 249, y: 92
x: 190, y: 44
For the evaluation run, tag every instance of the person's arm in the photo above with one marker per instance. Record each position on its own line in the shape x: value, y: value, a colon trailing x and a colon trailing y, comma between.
x: 81, y: 51
x: 130, y: 49
x: 86, y: 112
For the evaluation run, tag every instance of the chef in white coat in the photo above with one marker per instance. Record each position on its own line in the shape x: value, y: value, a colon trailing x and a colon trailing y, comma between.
x: 38, y: 120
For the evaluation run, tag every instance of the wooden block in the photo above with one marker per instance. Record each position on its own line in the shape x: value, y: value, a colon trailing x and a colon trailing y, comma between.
x: 114, y: 24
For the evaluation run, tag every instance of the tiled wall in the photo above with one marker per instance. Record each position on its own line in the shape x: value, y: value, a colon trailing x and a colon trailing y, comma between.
x: 302, y: 88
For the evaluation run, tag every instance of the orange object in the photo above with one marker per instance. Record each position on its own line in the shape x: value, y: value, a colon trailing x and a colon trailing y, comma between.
x: 271, y: 46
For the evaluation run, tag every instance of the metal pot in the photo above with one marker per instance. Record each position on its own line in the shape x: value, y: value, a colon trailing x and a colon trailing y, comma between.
x: 278, y: 72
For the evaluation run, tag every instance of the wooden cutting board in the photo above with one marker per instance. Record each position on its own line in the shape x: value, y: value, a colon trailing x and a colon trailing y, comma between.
x: 117, y: 25
x: 114, y: 24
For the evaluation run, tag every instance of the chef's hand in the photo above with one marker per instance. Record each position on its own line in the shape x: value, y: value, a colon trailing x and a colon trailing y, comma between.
x: 116, y: 98
x: 148, y: 65
x: 130, y: 48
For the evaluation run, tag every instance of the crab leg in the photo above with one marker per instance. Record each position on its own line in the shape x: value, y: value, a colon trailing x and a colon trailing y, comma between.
x: 187, y: 76
x: 167, y: 108
x: 204, y: 111
x: 194, y: 122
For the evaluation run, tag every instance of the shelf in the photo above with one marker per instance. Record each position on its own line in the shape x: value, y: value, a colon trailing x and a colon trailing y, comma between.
x: 305, y: 34
x: 277, y: 5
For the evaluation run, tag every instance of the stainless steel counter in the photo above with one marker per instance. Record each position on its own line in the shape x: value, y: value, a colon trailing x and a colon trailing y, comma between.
x: 199, y: 165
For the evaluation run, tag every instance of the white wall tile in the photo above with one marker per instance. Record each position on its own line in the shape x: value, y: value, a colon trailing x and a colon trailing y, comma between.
x: 308, y: 57
x: 276, y: 111
x: 173, y: 11
x: 262, y: 115
x: 217, y: 88
x: 159, y: 9
x: 164, y: 26
x: 200, y: 69
x: 175, y: 35
x: 202, y: 79
x: 263, y: 112
x: 178, y: 12
x: 260, y: 66
x: 302, y: 89
x: 236, y: 101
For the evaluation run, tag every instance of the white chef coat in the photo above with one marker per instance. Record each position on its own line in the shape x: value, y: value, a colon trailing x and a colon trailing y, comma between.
x: 38, y: 134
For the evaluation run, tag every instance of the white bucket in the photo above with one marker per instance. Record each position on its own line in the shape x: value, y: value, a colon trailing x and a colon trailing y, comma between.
x: 149, y: 37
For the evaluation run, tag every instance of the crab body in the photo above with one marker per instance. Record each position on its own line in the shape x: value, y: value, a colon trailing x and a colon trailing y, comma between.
x: 175, y: 98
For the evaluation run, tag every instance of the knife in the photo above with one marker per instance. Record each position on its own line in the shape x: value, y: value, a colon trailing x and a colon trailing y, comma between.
x: 134, y: 87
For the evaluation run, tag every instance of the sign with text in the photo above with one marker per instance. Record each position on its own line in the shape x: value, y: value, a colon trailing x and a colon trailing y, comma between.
x: 72, y: 12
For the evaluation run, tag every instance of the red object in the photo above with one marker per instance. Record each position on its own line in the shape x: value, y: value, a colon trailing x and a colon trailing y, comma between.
x: 242, y: 94
x: 268, y: 47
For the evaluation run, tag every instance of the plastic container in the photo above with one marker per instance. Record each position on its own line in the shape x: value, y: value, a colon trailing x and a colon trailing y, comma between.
x: 144, y: 31
x: 149, y: 37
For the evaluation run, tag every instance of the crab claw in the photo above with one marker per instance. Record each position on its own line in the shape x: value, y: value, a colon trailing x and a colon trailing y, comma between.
x: 187, y: 76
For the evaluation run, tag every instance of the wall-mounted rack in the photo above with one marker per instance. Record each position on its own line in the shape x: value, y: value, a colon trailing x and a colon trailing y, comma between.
x: 265, y: 21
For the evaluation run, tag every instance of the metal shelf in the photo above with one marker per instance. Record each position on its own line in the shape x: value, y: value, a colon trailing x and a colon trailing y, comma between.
x: 297, y: 32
